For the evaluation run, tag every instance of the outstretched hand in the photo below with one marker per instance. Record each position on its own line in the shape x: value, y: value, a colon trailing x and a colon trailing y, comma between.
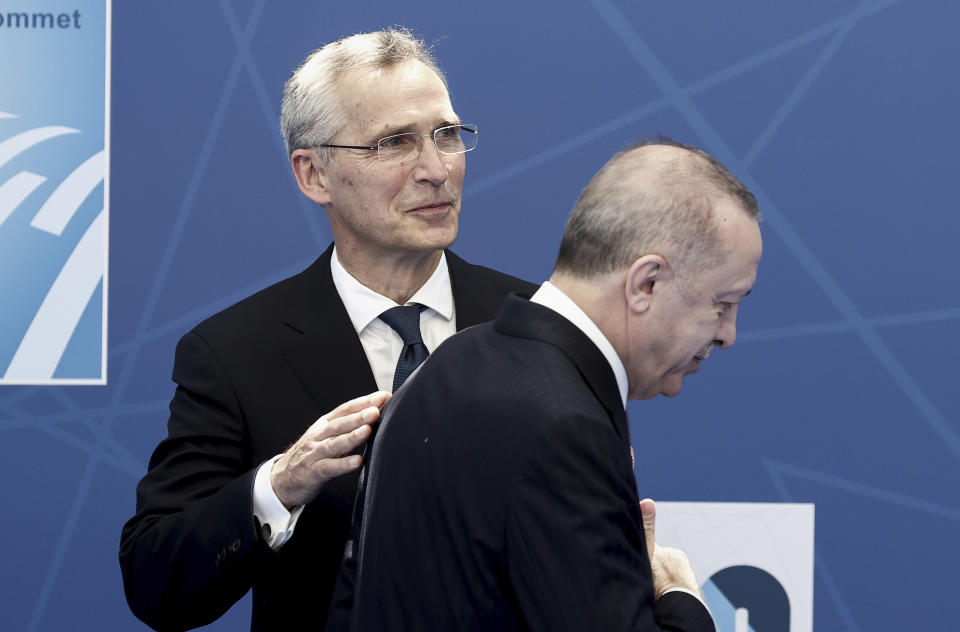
x: 323, y: 451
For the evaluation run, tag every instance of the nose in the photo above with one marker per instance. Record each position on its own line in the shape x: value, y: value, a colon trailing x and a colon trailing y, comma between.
x: 727, y: 333
x: 430, y: 165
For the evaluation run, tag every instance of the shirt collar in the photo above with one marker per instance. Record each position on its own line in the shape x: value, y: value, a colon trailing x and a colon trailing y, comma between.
x: 364, y: 305
x: 549, y: 295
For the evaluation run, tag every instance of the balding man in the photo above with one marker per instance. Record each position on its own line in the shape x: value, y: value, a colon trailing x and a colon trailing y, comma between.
x: 500, y: 493
x: 254, y: 484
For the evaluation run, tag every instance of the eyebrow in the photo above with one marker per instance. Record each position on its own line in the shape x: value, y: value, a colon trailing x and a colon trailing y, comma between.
x: 412, y: 127
x: 726, y: 295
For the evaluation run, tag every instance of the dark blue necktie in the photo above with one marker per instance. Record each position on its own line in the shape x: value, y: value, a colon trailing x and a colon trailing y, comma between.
x: 405, y: 321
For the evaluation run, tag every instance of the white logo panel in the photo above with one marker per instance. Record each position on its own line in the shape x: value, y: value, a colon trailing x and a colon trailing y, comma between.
x: 54, y: 114
x: 753, y: 560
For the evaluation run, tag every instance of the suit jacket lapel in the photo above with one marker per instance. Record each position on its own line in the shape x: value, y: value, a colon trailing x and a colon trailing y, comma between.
x: 476, y: 298
x: 320, y: 343
x: 322, y: 347
x: 521, y: 318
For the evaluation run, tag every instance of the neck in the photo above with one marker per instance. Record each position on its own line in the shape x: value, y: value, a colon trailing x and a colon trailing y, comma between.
x: 597, y: 297
x: 397, y: 276
x: 601, y: 298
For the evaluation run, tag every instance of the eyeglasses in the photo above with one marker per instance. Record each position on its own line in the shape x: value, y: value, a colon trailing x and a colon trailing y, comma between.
x: 450, y: 139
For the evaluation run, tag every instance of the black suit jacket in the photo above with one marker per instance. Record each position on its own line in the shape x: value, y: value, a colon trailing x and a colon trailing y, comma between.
x: 500, y: 493
x: 250, y: 380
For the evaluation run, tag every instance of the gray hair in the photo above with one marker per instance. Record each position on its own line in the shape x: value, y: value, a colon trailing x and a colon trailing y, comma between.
x: 311, y: 113
x: 650, y: 202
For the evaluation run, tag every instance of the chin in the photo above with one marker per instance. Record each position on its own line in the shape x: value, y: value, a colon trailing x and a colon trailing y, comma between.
x: 430, y: 241
x: 446, y: 243
x: 440, y: 237
x: 672, y: 388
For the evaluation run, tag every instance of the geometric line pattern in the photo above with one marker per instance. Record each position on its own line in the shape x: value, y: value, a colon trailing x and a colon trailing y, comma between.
x: 780, y: 471
x: 151, y: 303
x: 821, y: 568
x: 896, y: 320
x: 715, y: 145
x: 69, y: 419
x: 321, y: 236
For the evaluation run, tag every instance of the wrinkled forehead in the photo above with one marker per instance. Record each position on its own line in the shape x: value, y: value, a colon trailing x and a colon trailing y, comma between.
x: 378, y: 92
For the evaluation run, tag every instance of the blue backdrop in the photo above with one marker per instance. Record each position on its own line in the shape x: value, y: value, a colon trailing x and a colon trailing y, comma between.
x: 839, y: 114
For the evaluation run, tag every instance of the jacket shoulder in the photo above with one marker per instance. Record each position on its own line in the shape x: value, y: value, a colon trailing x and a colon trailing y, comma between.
x: 264, y: 310
x: 250, y: 312
x: 473, y: 273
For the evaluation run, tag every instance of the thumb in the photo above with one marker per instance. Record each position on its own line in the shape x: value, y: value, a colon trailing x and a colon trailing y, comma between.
x: 648, y: 510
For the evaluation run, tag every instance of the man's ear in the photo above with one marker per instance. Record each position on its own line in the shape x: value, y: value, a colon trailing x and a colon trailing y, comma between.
x: 310, y: 175
x: 643, y: 275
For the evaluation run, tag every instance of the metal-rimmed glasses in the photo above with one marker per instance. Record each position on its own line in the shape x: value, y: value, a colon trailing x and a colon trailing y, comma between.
x: 449, y: 139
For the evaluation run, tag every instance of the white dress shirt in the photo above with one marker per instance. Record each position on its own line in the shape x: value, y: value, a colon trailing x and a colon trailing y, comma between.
x: 549, y: 295
x: 380, y: 342
x: 382, y: 346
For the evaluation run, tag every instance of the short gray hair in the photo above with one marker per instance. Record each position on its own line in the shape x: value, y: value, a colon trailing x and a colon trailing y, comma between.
x: 311, y: 113
x: 640, y: 204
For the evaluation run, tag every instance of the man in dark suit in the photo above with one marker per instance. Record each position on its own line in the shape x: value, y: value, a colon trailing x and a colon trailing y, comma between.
x: 500, y: 492
x: 254, y: 484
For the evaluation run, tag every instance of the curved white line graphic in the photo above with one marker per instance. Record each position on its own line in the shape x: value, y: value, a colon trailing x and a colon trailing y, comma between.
x: 25, y: 140
x: 56, y: 212
x: 46, y: 339
x: 4, y: 115
x: 16, y: 190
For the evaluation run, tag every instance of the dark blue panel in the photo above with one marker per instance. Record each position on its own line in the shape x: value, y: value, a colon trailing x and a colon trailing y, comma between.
x: 697, y: 39
x: 840, y: 391
x: 35, y: 538
x: 859, y: 168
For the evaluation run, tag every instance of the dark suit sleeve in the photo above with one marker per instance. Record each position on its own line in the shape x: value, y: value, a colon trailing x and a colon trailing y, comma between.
x: 192, y: 548
x: 577, y: 558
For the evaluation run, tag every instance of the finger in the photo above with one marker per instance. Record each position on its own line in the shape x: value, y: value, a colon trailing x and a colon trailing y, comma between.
x: 648, y: 510
x: 341, y: 444
x: 331, y: 468
x: 324, y: 428
x: 377, y: 398
x: 380, y: 398
x: 349, y: 423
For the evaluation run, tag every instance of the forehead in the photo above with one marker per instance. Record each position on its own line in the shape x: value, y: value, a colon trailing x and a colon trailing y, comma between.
x: 396, y: 98
x: 741, y: 239
x: 734, y: 275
